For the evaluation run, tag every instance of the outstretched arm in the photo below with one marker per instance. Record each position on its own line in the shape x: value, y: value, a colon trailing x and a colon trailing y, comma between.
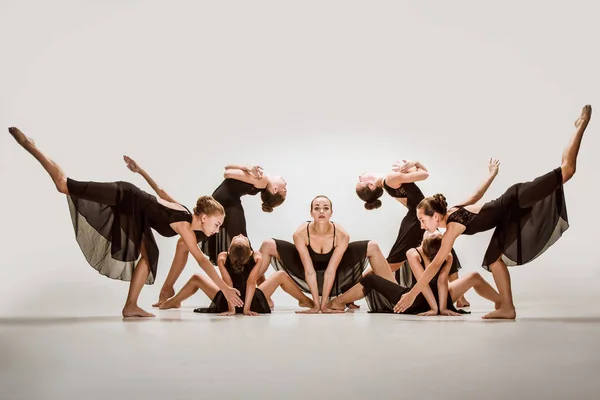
x: 189, y: 237
x: 453, y: 230
x: 409, y: 171
x: 475, y: 197
x: 442, y: 286
x: 133, y: 166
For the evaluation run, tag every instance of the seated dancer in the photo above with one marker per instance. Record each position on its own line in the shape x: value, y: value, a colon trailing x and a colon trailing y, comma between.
x: 239, y: 267
x: 113, y: 225
x: 527, y: 219
x: 436, y: 299
x: 322, y: 260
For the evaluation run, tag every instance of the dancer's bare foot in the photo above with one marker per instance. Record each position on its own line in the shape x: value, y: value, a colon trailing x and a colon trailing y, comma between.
x: 308, y: 303
x: 501, y: 313
x: 352, y: 306
x: 462, y: 302
x: 135, y: 311
x: 272, y: 305
x: 171, y: 303
x: 497, y: 305
x: 586, y: 114
x: 165, y: 294
x: 21, y: 138
x: 336, y: 305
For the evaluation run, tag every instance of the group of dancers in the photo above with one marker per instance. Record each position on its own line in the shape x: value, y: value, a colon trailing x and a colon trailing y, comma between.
x: 322, y: 268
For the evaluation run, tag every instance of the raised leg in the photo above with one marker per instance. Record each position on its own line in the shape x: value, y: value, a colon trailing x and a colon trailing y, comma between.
x: 569, y: 156
x: 57, y: 175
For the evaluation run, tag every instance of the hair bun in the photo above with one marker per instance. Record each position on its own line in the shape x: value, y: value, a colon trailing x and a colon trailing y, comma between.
x: 372, y: 205
x: 267, y: 208
x: 441, y: 199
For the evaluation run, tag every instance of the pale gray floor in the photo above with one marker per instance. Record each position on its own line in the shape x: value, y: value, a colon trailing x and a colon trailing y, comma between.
x: 551, y: 351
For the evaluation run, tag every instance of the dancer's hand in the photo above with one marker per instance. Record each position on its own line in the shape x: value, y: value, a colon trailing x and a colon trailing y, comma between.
x: 403, y: 166
x: 233, y: 295
x: 227, y: 314
x: 255, y: 171
x: 131, y: 164
x: 313, y: 310
x: 429, y: 313
x: 449, y: 313
x: 327, y: 310
x: 405, y: 302
x: 250, y: 313
x: 493, y: 166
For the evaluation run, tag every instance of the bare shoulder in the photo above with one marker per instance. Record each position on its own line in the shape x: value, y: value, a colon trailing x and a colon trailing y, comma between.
x: 222, y: 256
x: 340, y: 231
x: 412, y: 253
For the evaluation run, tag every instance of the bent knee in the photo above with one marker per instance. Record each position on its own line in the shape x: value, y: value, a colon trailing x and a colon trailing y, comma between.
x: 367, y: 281
x: 268, y: 246
x: 373, y: 247
x: 61, y: 185
x: 474, y: 276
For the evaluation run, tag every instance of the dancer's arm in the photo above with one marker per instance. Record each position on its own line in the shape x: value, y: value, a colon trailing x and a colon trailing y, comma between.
x: 301, y: 242
x: 453, y: 230
x: 342, y: 240
x: 221, y: 258
x: 252, y: 175
x: 442, y: 287
x: 475, y: 197
x: 189, y: 237
x: 409, y: 171
x: 251, y: 284
x: 134, y: 167
x: 414, y: 261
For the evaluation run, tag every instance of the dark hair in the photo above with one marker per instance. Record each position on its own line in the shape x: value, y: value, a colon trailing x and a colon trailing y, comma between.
x: 434, y: 204
x: 370, y: 197
x: 239, y: 254
x: 323, y: 196
x: 431, y: 245
x: 209, y: 206
x: 270, y: 200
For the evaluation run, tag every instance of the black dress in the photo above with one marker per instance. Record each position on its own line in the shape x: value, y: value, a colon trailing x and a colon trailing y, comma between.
x: 528, y: 218
x: 239, y: 279
x: 382, y: 294
x: 352, y: 265
x: 410, y: 234
x: 114, y: 220
x: 229, y: 194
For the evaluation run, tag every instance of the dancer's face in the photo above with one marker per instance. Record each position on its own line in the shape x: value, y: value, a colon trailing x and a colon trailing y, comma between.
x: 321, y: 209
x: 278, y: 185
x: 211, y: 224
x: 430, y: 224
x: 366, y: 180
